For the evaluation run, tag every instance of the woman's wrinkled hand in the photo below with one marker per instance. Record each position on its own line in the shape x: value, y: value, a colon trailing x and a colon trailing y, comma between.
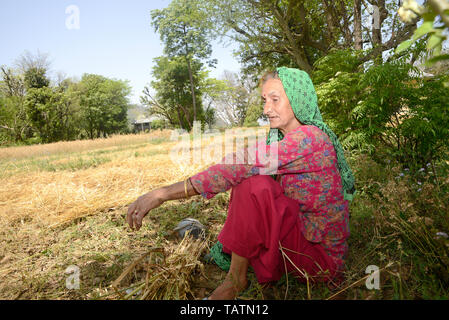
x: 140, y: 208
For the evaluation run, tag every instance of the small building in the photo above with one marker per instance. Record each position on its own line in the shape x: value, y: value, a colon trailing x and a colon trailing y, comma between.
x: 142, y: 125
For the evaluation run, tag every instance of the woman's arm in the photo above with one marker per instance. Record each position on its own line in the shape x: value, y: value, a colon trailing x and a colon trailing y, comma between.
x: 292, y: 155
x: 153, y: 199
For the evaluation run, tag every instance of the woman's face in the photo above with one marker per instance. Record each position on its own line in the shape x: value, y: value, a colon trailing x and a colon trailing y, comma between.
x: 277, y: 107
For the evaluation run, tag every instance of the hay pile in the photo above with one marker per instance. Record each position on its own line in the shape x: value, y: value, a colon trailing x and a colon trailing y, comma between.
x: 163, y: 273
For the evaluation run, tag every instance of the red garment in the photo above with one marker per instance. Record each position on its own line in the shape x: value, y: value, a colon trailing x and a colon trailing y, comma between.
x: 308, y: 173
x: 260, y: 219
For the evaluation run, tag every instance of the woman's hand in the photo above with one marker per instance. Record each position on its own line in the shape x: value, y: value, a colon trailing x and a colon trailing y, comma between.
x: 140, y: 208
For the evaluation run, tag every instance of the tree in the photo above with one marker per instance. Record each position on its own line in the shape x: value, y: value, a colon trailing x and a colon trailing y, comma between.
x: 36, y: 78
x: 231, y: 95
x: 184, y: 33
x: 70, y: 116
x: 104, y: 105
x: 14, y: 124
x: 52, y: 111
x: 172, y: 100
x: 43, y: 110
x: 209, y: 116
x: 253, y: 114
x: 272, y: 33
x: 38, y: 61
x: 29, y: 72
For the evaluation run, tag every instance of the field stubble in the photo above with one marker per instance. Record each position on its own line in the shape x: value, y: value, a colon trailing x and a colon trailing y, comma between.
x: 65, y: 205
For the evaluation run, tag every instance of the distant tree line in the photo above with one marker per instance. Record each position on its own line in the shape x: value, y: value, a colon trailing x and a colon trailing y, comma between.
x: 36, y: 109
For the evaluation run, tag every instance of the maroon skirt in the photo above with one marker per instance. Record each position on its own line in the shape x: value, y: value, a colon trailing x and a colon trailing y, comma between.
x: 263, y: 225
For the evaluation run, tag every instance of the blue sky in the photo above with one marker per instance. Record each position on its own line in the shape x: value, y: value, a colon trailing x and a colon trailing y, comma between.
x: 114, y: 39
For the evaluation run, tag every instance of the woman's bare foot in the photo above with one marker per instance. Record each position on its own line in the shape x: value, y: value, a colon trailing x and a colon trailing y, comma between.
x: 229, y: 289
x: 235, y: 280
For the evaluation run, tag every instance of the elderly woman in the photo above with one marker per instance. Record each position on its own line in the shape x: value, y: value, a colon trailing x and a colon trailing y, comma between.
x: 294, y: 219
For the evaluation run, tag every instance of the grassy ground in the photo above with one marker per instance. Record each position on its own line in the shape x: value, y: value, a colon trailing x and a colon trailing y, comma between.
x: 64, y: 205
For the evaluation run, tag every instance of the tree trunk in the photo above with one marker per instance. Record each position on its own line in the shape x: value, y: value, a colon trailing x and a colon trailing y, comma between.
x: 329, y: 23
x: 192, y: 88
x: 378, y: 17
x: 297, y: 52
x: 186, y: 115
x: 358, y: 25
x: 179, y: 118
x: 375, y: 26
x: 91, y: 131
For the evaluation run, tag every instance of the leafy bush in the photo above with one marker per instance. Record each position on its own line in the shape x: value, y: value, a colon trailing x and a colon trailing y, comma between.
x: 388, y: 110
x: 159, y: 124
x: 403, y: 115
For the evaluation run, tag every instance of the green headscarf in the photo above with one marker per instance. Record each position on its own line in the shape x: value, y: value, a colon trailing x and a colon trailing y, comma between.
x: 302, y: 96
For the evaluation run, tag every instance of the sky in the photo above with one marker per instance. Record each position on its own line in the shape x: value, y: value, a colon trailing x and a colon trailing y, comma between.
x: 110, y: 38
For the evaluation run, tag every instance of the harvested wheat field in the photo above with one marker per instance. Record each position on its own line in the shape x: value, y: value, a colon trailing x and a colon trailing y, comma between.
x: 64, y: 235
x: 62, y: 216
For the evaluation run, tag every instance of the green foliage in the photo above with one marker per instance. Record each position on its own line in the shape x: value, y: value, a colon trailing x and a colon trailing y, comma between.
x: 44, y: 113
x: 213, y: 91
x: 338, y: 88
x: 388, y: 110
x: 253, y: 114
x: 326, y: 67
x: 104, y: 105
x: 183, y: 30
x: 427, y: 130
x: 13, y: 123
x: 435, y: 23
x: 173, y: 100
x: 158, y: 124
x: 36, y: 78
x: 33, y: 111
x: 434, y: 34
x: 209, y: 116
x: 14, y: 126
x: 402, y: 114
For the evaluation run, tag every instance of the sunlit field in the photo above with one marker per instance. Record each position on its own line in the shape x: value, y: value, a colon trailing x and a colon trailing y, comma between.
x: 50, y: 193
x: 64, y: 205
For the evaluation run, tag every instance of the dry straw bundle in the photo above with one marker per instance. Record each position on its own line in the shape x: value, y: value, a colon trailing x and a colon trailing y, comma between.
x: 168, y: 272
